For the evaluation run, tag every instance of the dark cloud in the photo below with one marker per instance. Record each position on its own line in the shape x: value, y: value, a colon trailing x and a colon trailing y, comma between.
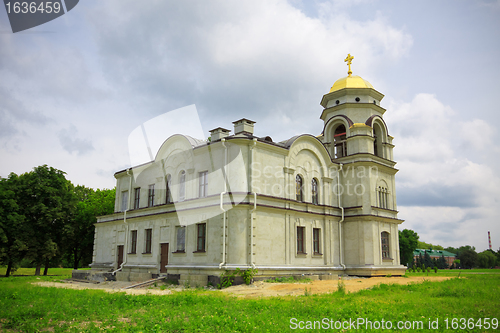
x: 436, y: 195
x: 71, y: 143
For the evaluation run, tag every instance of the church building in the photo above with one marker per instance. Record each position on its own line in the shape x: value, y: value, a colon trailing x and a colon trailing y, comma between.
x: 313, y: 204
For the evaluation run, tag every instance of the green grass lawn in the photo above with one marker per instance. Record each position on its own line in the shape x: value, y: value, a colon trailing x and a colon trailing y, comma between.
x: 31, y: 271
x: 28, y: 308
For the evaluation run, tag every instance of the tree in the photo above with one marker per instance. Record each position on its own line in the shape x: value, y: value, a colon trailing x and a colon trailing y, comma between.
x: 79, y: 229
x: 427, y: 260
x: 428, y: 246
x: 46, y: 198
x: 486, y: 259
x: 442, y: 263
x: 467, y: 256
x: 12, y: 244
x: 408, y: 242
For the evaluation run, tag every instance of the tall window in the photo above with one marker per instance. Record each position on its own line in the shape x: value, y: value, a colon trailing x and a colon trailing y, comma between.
x: 385, y: 244
x: 202, y: 236
x: 203, y: 184
x: 382, y: 197
x: 298, y: 188
x: 124, y: 206
x: 148, y: 239
x: 137, y: 197
x: 151, y: 195
x: 181, y: 239
x: 300, y: 239
x: 182, y: 185
x: 340, y: 141
x: 316, y: 234
x: 314, y: 191
x: 133, y: 242
x: 168, y: 194
x: 377, y: 144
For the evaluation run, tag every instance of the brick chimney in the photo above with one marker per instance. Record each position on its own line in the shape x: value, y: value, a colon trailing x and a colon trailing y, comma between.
x: 243, y: 126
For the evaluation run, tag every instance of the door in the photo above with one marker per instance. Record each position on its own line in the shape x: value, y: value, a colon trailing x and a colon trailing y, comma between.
x: 163, y: 257
x: 120, y: 256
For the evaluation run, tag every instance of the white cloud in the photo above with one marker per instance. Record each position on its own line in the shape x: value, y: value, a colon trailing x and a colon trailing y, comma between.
x: 445, y: 192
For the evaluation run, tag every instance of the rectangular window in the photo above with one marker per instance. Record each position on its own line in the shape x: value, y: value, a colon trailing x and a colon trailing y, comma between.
x: 202, y: 235
x: 385, y: 244
x: 181, y: 239
x: 168, y: 194
x: 151, y: 195
x: 137, y: 197
x: 124, y: 206
x: 300, y: 239
x: 316, y: 235
x: 148, y: 239
x: 133, y: 242
x: 203, y: 184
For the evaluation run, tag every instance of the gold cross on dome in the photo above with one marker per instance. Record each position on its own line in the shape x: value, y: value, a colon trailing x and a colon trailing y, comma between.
x: 349, y: 61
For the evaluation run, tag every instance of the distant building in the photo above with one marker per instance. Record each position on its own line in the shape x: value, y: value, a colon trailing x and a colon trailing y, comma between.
x: 436, y: 254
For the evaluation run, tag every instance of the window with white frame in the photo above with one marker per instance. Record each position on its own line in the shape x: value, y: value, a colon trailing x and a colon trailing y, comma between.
x: 151, y: 195
x: 316, y: 240
x: 203, y: 178
x: 148, y: 238
x: 182, y: 185
x: 385, y: 245
x: 124, y: 205
x: 300, y: 239
x: 180, y: 238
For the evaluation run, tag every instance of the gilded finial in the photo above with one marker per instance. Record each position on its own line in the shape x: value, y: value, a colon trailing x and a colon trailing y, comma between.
x: 349, y: 61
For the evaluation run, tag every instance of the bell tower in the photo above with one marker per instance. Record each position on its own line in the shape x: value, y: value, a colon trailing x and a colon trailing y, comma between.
x: 357, y: 138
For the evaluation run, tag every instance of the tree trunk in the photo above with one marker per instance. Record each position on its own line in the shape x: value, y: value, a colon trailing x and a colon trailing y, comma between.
x: 46, y: 267
x: 37, y: 270
x: 9, y: 268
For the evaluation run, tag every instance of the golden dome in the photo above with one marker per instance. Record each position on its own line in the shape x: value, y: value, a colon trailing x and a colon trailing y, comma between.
x: 350, y: 82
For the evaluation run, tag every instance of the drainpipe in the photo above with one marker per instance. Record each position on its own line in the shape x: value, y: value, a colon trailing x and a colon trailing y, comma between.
x: 342, y: 218
x: 254, y: 202
x: 125, y: 246
x: 223, y: 141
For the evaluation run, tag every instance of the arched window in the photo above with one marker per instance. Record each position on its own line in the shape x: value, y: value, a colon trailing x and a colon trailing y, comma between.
x: 382, y: 197
x: 377, y: 142
x: 340, y: 140
x: 168, y: 193
x: 385, y: 244
x: 182, y: 185
x: 314, y: 191
x: 298, y: 188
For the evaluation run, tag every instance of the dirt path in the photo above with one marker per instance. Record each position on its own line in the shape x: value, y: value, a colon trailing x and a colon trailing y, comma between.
x: 257, y: 289
x: 320, y: 287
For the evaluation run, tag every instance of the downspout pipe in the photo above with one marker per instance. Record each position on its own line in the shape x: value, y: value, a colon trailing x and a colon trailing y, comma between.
x: 254, y: 202
x: 223, y: 141
x: 342, y: 217
x: 125, y: 247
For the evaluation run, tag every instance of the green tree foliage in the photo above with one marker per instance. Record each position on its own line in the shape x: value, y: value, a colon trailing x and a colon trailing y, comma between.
x: 467, y: 256
x: 408, y: 242
x: 79, y: 230
x: 486, y: 259
x: 12, y: 244
x: 428, y: 260
x: 46, y: 198
x: 451, y: 249
x: 442, y: 264
x: 429, y: 246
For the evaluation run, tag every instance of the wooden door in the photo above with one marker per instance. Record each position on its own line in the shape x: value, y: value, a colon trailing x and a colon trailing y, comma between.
x: 120, y: 255
x: 163, y: 257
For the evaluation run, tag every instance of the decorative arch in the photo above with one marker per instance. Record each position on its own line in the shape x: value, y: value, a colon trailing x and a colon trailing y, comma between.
x: 336, y: 132
x: 380, y: 133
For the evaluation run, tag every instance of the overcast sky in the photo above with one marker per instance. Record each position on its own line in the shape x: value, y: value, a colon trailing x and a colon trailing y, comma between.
x: 73, y: 90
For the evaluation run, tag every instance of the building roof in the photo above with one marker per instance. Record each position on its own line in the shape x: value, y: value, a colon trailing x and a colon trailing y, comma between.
x: 350, y: 82
x: 433, y: 253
